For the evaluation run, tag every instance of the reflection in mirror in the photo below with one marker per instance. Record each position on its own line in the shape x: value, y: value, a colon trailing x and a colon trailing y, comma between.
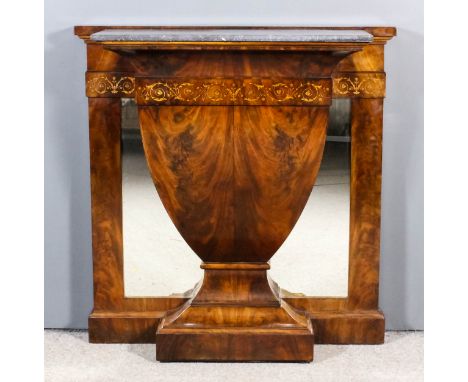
x: 313, y: 260
x: 157, y: 261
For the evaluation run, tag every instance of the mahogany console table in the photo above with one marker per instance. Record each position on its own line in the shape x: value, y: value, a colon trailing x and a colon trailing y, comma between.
x: 233, y: 122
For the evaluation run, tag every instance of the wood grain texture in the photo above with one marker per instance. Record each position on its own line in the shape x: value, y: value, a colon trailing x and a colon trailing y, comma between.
x: 366, y: 175
x: 213, y: 64
x: 106, y: 322
x: 292, y: 345
x: 128, y: 327
x: 349, y: 327
x: 236, y: 315
x: 106, y: 201
x: 234, y: 180
x: 369, y: 59
x: 329, y: 327
x: 236, y: 286
x: 336, y: 320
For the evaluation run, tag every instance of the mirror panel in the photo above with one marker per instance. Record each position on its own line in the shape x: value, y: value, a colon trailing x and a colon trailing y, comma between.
x: 313, y: 261
x: 157, y: 261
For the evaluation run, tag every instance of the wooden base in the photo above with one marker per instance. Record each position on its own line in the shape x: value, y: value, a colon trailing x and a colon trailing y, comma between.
x: 118, y: 327
x: 349, y: 327
x: 235, y: 315
x: 266, y: 334
x: 366, y: 327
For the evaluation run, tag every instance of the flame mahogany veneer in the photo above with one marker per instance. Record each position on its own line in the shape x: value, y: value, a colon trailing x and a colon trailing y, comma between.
x: 233, y: 135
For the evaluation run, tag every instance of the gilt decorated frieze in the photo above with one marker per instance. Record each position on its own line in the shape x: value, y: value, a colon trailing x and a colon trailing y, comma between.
x: 102, y: 84
x: 247, y: 91
x: 359, y: 85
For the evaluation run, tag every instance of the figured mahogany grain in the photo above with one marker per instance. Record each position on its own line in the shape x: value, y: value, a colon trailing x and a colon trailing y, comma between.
x: 336, y: 320
x: 106, y: 179
x: 234, y: 179
x: 106, y: 322
x: 366, y: 170
x: 235, y: 315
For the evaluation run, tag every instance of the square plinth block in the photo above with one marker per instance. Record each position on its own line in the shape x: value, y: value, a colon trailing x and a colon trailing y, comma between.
x: 235, y: 345
x: 229, y: 333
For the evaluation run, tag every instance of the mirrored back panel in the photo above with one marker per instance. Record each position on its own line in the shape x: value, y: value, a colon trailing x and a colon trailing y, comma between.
x: 313, y: 261
x: 157, y: 261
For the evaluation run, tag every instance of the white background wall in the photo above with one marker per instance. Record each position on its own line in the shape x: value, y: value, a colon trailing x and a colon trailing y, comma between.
x: 68, y: 265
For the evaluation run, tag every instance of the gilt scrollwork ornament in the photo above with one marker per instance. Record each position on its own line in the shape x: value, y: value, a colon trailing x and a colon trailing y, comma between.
x: 360, y: 85
x: 108, y: 85
x: 234, y: 92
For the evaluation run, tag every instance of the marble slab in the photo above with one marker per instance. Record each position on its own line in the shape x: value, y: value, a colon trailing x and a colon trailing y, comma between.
x: 232, y: 35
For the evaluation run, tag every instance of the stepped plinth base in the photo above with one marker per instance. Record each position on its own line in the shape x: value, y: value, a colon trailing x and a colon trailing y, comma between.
x: 244, y: 320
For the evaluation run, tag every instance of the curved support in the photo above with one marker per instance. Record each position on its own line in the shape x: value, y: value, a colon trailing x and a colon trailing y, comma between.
x: 234, y: 179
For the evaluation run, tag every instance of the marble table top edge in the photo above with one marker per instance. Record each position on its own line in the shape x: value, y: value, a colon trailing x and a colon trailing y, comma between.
x: 233, y: 35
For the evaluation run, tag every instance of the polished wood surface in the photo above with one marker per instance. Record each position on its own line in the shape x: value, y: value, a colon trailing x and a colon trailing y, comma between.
x: 112, y: 75
x: 114, y: 317
x: 234, y: 161
x: 366, y: 167
x: 235, y: 314
x: 234, y: 179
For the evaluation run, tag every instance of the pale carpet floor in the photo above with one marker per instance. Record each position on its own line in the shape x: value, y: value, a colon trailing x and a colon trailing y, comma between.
x: 69, y: 357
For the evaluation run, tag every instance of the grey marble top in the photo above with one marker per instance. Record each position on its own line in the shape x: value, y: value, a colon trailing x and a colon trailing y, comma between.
x: 232, y: 35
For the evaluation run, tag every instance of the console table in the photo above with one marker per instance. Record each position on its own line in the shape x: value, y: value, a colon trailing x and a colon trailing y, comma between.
x: 233, y: 122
